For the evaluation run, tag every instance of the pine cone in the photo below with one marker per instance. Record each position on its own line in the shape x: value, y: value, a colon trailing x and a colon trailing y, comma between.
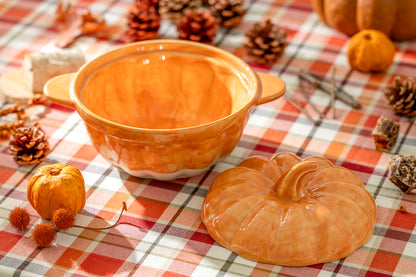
x: 265, y: 42
x: 401, y: 96
x: 228, y: 13
x: 143, y: 20
x: 174, y: 9
x: 385, y: 134
x: 155, y: 3
x: 402, y: 172
x: 197, y: 26
x: 28, y: 145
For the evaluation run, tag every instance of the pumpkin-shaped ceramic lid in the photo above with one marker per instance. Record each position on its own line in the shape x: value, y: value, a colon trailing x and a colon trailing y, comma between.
x: 289, y: 211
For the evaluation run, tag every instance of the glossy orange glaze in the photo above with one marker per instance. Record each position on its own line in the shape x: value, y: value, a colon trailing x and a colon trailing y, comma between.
x: 289, y: 211
x: 165, y: 109
x: 163, y: 90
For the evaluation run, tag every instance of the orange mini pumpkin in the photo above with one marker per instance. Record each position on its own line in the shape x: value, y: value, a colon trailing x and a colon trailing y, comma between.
x: 395, y: 18
x: 289, y: 211
x: 56, y: 186
x: 370, y: 50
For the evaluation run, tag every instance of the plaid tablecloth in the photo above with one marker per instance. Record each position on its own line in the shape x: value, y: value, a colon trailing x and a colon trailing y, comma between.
x: 161, y: 234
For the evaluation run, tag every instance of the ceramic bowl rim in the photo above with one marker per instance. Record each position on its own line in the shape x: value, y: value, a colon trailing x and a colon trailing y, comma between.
x: 82, y: 109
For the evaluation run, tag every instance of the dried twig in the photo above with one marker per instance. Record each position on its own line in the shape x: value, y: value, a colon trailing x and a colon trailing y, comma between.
x: 333, y: 92
x: 299, y: 108
x: 302, y: 89
x: 124, y: 208
x: 326, y: 87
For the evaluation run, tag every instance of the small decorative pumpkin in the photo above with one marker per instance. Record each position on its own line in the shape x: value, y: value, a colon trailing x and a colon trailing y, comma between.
x: 56, y: 186
x: 370, y: 50
x: 289, y: 211
x: 395, y: 18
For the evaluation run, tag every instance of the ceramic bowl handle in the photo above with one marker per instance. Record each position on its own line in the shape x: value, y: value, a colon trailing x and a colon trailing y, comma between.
x: 272, y: 88
x: 57, y: 89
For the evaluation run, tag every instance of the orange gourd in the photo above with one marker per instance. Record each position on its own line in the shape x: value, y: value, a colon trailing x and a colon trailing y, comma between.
x: 370, y: 50
x: 395, y: 18
x: 56, y: 186
x: 289, y: 211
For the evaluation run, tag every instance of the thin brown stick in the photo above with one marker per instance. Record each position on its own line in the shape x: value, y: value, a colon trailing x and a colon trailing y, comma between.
x: 302, y: 89
x: 299, y: 108
x: 326, y: 87
x: 124, y: 208
x: 333, y: 92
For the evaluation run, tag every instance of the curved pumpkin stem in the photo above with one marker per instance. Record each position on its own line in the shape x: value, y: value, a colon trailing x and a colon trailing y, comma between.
x: 124, y: 208
x: 288, y: 187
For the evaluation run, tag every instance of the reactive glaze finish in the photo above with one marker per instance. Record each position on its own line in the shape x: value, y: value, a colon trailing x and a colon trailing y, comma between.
x: 165, y: 108
x: 164, y: 90
x: 289, y: 211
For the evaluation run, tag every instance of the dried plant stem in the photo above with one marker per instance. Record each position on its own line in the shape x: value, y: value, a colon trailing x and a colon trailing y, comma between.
x: 326, y: 87
x: 9, y: 128
x: 124, y: 208
x: 13, y: 109
x: 24, y: 235
x: 298, y: 107
x: 302, y: 89
x: 333, y: 92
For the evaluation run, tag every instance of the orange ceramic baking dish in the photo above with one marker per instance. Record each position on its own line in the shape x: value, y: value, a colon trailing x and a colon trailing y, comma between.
x: 165, y: 109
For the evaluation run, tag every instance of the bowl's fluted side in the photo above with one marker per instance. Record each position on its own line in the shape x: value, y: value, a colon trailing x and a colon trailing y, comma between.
x: 221, y: 102
x: 172, y: 155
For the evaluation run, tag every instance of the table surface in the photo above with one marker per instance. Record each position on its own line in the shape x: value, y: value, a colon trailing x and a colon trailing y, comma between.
x: 161, y: 234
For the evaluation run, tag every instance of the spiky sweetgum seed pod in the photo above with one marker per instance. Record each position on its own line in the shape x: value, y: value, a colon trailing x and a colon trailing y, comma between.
x: 63, y: 219
x: 19, y: 218
x: 43, y: 235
